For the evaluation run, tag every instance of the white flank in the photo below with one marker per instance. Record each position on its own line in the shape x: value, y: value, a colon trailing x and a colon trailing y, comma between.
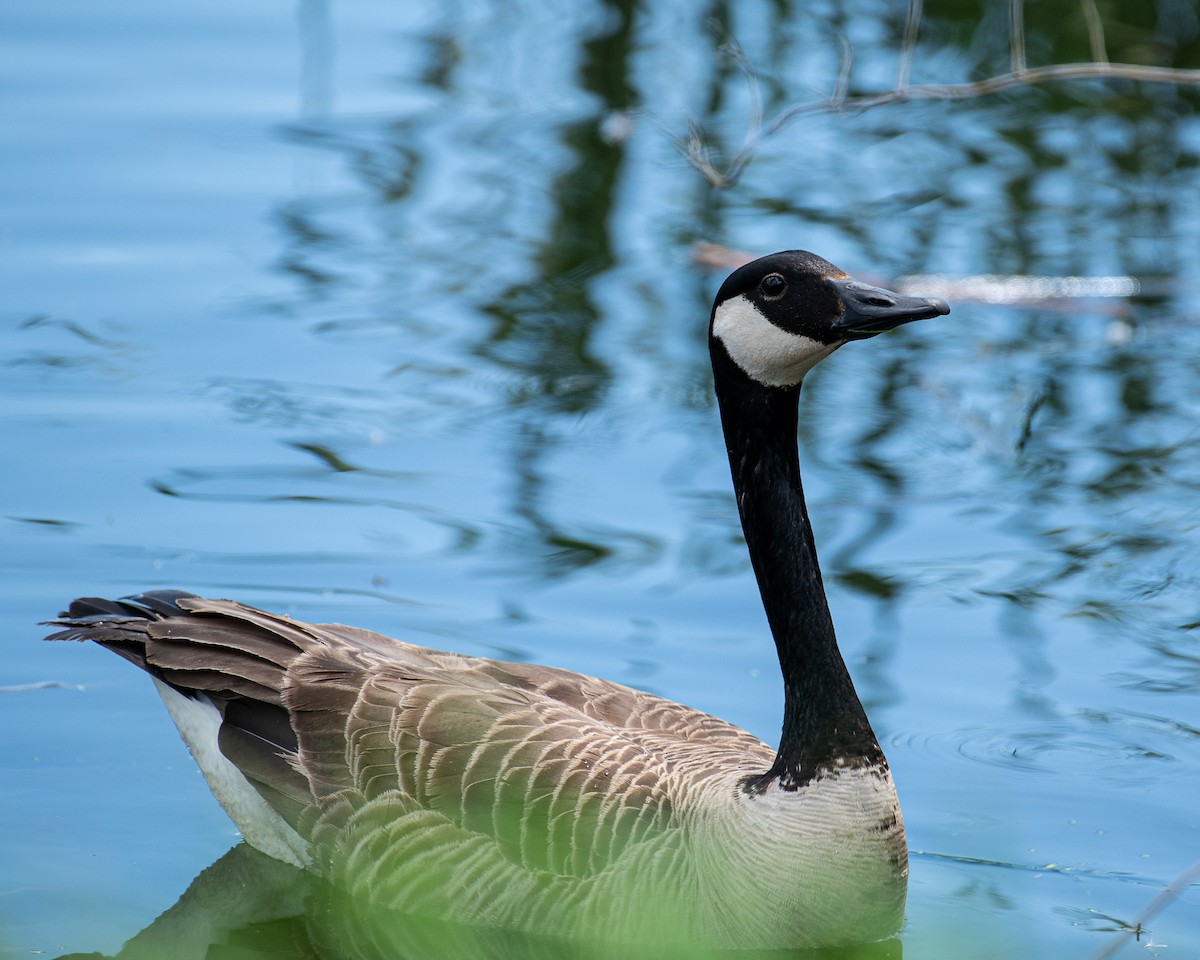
x: 764, y: 351
x: 198, y: 721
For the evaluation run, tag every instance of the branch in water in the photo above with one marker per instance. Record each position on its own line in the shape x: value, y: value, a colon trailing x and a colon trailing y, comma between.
x: 695, y: 146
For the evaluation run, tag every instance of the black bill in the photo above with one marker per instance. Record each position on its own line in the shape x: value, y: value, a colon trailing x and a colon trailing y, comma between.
x: 868, y: 310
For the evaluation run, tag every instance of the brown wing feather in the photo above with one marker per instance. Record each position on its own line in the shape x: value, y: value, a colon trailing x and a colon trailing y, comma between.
x: 558, y: 772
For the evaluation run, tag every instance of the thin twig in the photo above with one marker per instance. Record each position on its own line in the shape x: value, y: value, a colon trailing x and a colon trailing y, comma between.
x: 699, y: 156
x: 1016, y: 35
x: 912, y: 26
x: 1165, y: 898
x: 695, y: 146
x: 754, y: 127
x: 735, y: 52
x: 842, y: 85
x: 1005, y: 81
x: 1095, y: 30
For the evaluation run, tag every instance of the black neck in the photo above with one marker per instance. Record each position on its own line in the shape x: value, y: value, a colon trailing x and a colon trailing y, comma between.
x: 824, y: 723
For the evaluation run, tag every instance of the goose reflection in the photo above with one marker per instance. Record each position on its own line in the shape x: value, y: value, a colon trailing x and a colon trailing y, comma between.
x: 250, y: 906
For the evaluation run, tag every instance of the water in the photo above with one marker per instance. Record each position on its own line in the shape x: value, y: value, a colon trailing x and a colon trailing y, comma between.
x: 386, y: 314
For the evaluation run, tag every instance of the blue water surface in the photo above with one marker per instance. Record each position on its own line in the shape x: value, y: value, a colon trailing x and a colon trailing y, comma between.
x: 391, y: 315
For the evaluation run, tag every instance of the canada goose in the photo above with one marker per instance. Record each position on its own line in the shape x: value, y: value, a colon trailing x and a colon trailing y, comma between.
x: 539, y: 799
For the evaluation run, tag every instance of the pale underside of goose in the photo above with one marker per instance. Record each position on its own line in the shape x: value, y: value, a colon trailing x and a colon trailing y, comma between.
x: 537, y: 799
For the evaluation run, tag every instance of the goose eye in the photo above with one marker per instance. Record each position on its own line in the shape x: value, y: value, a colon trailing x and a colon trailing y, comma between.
x: 773, y: 286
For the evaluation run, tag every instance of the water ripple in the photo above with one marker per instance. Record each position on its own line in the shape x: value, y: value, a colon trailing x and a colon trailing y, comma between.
x: 1052, y: 749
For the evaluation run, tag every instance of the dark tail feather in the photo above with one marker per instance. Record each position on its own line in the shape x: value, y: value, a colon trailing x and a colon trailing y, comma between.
x: 119, y: 625
x: 154, y: 605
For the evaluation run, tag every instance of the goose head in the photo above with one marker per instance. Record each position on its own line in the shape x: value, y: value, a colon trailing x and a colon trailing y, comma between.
x: 777, y: 317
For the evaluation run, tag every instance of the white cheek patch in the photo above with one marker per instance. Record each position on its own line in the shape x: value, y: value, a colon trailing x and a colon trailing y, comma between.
x: 762, y: 350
